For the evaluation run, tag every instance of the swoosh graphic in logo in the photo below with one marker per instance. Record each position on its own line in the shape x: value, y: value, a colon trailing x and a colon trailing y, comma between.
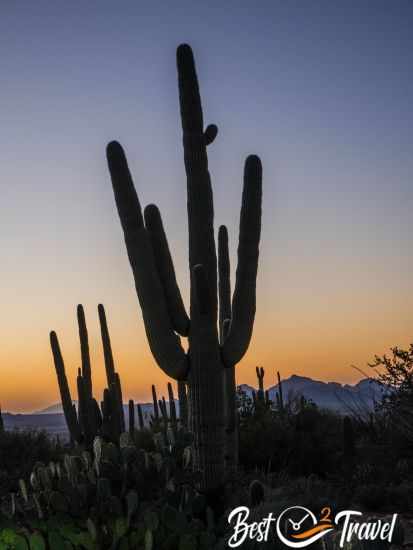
x: 313, y: 531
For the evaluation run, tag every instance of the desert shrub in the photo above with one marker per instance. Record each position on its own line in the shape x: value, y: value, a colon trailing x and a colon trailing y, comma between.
x: 263, y: 441
x: 19, y: 451
x: 308, y: 441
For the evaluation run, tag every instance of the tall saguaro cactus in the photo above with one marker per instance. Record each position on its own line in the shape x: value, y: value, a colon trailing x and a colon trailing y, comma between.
x: 163, y: 310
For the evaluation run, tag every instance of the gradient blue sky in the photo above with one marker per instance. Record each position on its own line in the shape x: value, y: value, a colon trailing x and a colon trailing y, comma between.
x: 321, y: 90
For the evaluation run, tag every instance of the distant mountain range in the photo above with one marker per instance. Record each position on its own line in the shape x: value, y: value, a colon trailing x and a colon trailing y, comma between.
x: 330, y: 395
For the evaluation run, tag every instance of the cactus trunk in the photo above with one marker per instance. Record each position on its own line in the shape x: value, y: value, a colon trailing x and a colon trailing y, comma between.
x: 230, y: 387
x: 155, y: 403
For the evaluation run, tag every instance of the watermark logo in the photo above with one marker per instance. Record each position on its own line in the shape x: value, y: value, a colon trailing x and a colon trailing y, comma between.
x: 298, y: 527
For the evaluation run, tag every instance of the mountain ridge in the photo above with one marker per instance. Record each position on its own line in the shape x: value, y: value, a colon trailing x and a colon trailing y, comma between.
x: 332, y: 395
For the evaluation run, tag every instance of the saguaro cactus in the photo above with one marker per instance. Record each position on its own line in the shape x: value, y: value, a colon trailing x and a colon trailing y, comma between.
x: 131, y: 408
x: 88, y: 421
x: 155, y: 403
x: 140, y: 417
x: 172, y: 408
x: 280, y: 397
x: 163, y: 310
x: 183, y: 403
x: 260, y: 375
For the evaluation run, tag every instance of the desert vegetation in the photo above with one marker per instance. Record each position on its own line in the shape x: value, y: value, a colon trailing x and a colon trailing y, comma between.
x: 168, y: 481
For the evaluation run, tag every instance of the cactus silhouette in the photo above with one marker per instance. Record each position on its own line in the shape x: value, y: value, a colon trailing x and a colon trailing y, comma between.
x: 280, y: 397
x: 160, y: 299
x: 155, y: 404
x: 140, y: 417
x: 131, y: 408
x: 230, y: 387
x: 88, y: 421
x: 172, y: 408
x: 183, y: 403
x: 260, y: 375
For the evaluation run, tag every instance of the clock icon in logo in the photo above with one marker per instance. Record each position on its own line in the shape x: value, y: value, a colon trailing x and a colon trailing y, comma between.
x: 297, y: 527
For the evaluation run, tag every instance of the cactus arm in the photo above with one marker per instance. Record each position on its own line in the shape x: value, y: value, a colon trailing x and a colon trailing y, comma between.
x: 131, y: 417
x: 116, y: 422
x: 244, y: 298
x: 109, y: 429
x: 67, y: 403
x: 96, y: 416
x: 107, y: 346
x: 164, y: 343
x: 172, y: 408
x: 280, y: 392
x: 166, y: 271
x: 224, y: 286
x: 199, y: 190
x: 83, y: 408
x: 84, y: 350
x: 155, y: 403
x: 164, y: 410
x: 119, y: 400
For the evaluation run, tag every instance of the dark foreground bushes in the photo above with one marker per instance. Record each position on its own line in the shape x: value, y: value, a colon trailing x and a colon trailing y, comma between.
x: 19, y: 452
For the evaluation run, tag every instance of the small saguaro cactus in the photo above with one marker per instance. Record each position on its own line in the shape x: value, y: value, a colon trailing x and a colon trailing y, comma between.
x: 260, y: 375
x: 131, y: 406
x: 155, y: 403
x: 165, y: 318
x: 112, y: 376
x: 172, y: 408
x: 183, y: 403
x: 140, y: 417
x: 280, y: 397
x: 88, y: 421
x: 164, y: 414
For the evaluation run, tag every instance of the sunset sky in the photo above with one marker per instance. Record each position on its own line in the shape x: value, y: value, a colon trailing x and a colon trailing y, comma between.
x: 321, y: 90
